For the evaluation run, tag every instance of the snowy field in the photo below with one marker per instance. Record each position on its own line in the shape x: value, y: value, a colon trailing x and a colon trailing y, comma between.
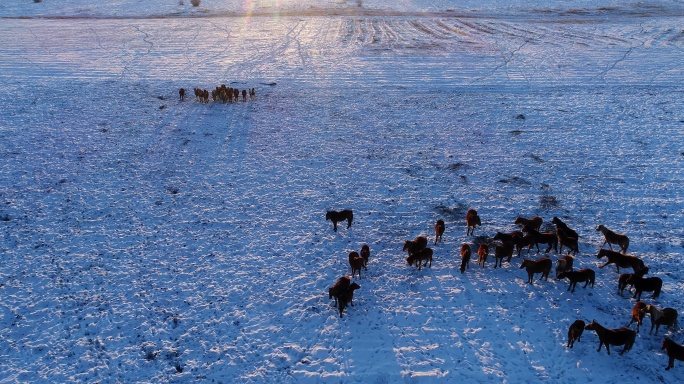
x: 151, y: 240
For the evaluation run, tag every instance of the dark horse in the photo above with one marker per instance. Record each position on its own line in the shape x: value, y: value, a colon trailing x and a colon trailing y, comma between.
x: 336, y: 217
x: 575, y: 332
x: 621, y: 336
x: 586, y: 276
x: 674, y: 351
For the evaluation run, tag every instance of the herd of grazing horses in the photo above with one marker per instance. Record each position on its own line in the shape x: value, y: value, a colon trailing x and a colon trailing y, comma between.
x: 220, y: 93
x: 420, y: 255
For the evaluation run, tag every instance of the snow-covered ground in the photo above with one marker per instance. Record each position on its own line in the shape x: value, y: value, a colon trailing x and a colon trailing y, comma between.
x: 147, y: 239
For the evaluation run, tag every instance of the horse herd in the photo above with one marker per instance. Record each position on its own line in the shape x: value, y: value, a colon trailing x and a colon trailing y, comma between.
x: 529, y: 236
x: 220, y: 93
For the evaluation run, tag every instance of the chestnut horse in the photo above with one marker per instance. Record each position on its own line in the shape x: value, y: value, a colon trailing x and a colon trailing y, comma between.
x: 415, y: 245
x: 638, y: 314
x: 534, y: 222
x: 356, y: 263
x: 339, y: 288
x: 620, y: 260
x: 472, y: 221
x: 673, y: 350
x: 336, y: 217
x: 482, y: 253
x: 611, y: 237
x: 465, y: 256
x: 542, y: 266
x: 621, y: 336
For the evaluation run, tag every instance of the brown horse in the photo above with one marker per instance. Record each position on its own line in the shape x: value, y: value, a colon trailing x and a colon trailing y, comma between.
x: 482, y: 253
x: 355, y: 262
x: 673, y: 350
x: 586, y: 275
x: 439, y: 230
x: 575, y: 332
x: 339, y: 288
x: 666, y: 317
x: 415, y: 245
x: 424, y: 255
x: 620, y: 260
x: 534, y: 222
x: 336, y: 217
x: 611, y: 237
x: 465, y: 256
x: 621, y: 336
x: 638, y: 313
x: 472, y: 221
x: 542, y: 266
x: 181, y: 94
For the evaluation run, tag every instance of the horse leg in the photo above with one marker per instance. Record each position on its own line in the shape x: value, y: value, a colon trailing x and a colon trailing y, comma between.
x: 670, y: 363
x: 607, y: 262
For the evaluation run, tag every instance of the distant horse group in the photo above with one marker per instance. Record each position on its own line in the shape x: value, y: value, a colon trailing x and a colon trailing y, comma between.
x: 221, y: 93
